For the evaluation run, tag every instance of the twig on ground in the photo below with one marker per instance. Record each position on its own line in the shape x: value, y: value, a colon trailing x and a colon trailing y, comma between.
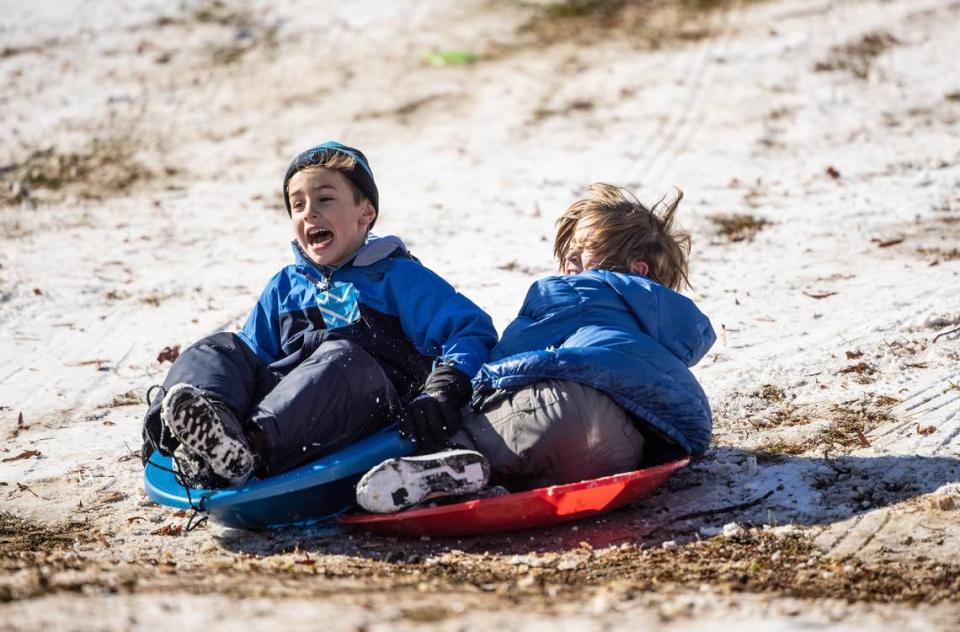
x: 714, y: 512
x: 26, y: 454
x: 945, y: 333
x: 722, y: 510
x: 133, y: 454
x: 920, y: 524
x: 24, y: 488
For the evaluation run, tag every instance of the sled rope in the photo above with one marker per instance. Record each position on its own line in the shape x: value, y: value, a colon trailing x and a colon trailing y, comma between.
x: 198, y: 507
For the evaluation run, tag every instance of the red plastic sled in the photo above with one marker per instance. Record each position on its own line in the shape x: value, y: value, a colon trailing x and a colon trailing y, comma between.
x: 523, y: 510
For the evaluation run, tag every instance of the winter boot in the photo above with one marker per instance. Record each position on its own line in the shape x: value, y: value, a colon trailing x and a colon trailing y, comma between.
x: 213, y: 450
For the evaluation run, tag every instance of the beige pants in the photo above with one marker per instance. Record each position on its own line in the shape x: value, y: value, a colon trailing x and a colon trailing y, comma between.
x: 550, y: 433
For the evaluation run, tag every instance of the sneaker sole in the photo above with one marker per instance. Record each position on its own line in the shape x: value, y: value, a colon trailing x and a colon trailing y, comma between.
x: 401, y: 483
x: 194, y: 421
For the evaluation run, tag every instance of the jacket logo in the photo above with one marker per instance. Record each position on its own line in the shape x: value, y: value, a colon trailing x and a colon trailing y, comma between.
x: 339, y: 305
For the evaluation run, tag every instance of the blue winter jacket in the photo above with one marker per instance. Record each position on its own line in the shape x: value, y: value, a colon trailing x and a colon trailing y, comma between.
x: 620, y: 333
x: 383, y: 299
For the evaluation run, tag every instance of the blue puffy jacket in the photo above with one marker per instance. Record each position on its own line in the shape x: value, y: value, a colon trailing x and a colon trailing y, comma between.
x: 383, y: 299
x: 623, y: 334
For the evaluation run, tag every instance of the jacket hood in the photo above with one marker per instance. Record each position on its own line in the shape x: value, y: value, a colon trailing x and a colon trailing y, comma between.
x: 670, y: 318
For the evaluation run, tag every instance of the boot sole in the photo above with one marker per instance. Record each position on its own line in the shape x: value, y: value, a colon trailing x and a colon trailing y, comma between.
x: 194, y: 421
x: 402, y: 483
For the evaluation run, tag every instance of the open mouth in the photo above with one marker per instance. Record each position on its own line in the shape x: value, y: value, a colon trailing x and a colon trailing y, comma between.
x: 319, y: 236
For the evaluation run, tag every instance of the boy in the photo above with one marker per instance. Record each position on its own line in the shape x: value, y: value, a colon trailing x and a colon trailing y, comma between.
x: 594, y: 367
x: 353, y: 336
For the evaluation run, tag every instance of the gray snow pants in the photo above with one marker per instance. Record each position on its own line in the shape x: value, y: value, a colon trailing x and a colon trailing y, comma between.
x: 338, y: 395
x: 551, y: 433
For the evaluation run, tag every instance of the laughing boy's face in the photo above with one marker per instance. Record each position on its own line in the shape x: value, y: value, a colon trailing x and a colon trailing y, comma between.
x: 327, y: 220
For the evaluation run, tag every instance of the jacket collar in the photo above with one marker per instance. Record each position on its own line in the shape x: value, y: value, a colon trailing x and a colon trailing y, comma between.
x: 373, y: 250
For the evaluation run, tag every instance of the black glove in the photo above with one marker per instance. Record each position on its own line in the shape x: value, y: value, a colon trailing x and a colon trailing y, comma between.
x: 434, y: 415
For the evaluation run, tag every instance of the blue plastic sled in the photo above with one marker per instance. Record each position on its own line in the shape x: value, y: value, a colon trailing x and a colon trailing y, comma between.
x: 312, y: 492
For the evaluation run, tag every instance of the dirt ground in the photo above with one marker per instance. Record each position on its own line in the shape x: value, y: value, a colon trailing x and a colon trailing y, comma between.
x: 817, y: 143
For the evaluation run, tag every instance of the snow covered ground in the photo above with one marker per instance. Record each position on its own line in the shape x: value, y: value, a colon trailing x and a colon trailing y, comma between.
x: 817, y: 143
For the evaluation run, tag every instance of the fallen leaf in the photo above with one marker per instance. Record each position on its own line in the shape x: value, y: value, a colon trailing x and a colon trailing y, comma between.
x: 818, y: 295
x: 102, y: 540
x: 112, y: 497
x: 37, y: 291
x: 97, y: 362
x: 860, y: 368
x: 170, y: 529
x: 136, y: 518
x: 168, y: 354
x: 26, y: 454
x: 832, y: 172
x: 890, y: 242
x: 925, y: 430
x: 180, y: 513
x: 862, y: 439
x: 853, y: 355
x: 450, y: 58
x: 20, y: 426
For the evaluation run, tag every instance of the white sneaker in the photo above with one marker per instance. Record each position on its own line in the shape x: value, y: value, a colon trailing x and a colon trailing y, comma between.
x: 400, y: 483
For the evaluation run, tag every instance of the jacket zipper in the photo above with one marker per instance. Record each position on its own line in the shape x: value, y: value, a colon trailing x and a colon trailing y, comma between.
x: 326, y: 280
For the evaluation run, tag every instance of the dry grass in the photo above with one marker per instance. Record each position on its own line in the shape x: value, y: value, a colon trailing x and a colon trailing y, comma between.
x: 844, y: 427
x: 218, y: 12
x: 770, y: 392
x: 577, y: 105
x: 937, y: 255
x: 247, y: 31
x: 851, y: 423
x: 756, y: 560
x: 648, y: 23
x: 848, y: 429
x: 18, y: 535
x: 407, y: 111
x: 106, y: 167
x: 130, y: 398
x: 863, y: 372
x: 738, y: 226
x: 242, y: 29
x: 857, y: 57
x: 772, y: 448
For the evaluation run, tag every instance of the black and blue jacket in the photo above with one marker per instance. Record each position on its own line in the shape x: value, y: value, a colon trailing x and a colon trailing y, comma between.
x: 383, y: 299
